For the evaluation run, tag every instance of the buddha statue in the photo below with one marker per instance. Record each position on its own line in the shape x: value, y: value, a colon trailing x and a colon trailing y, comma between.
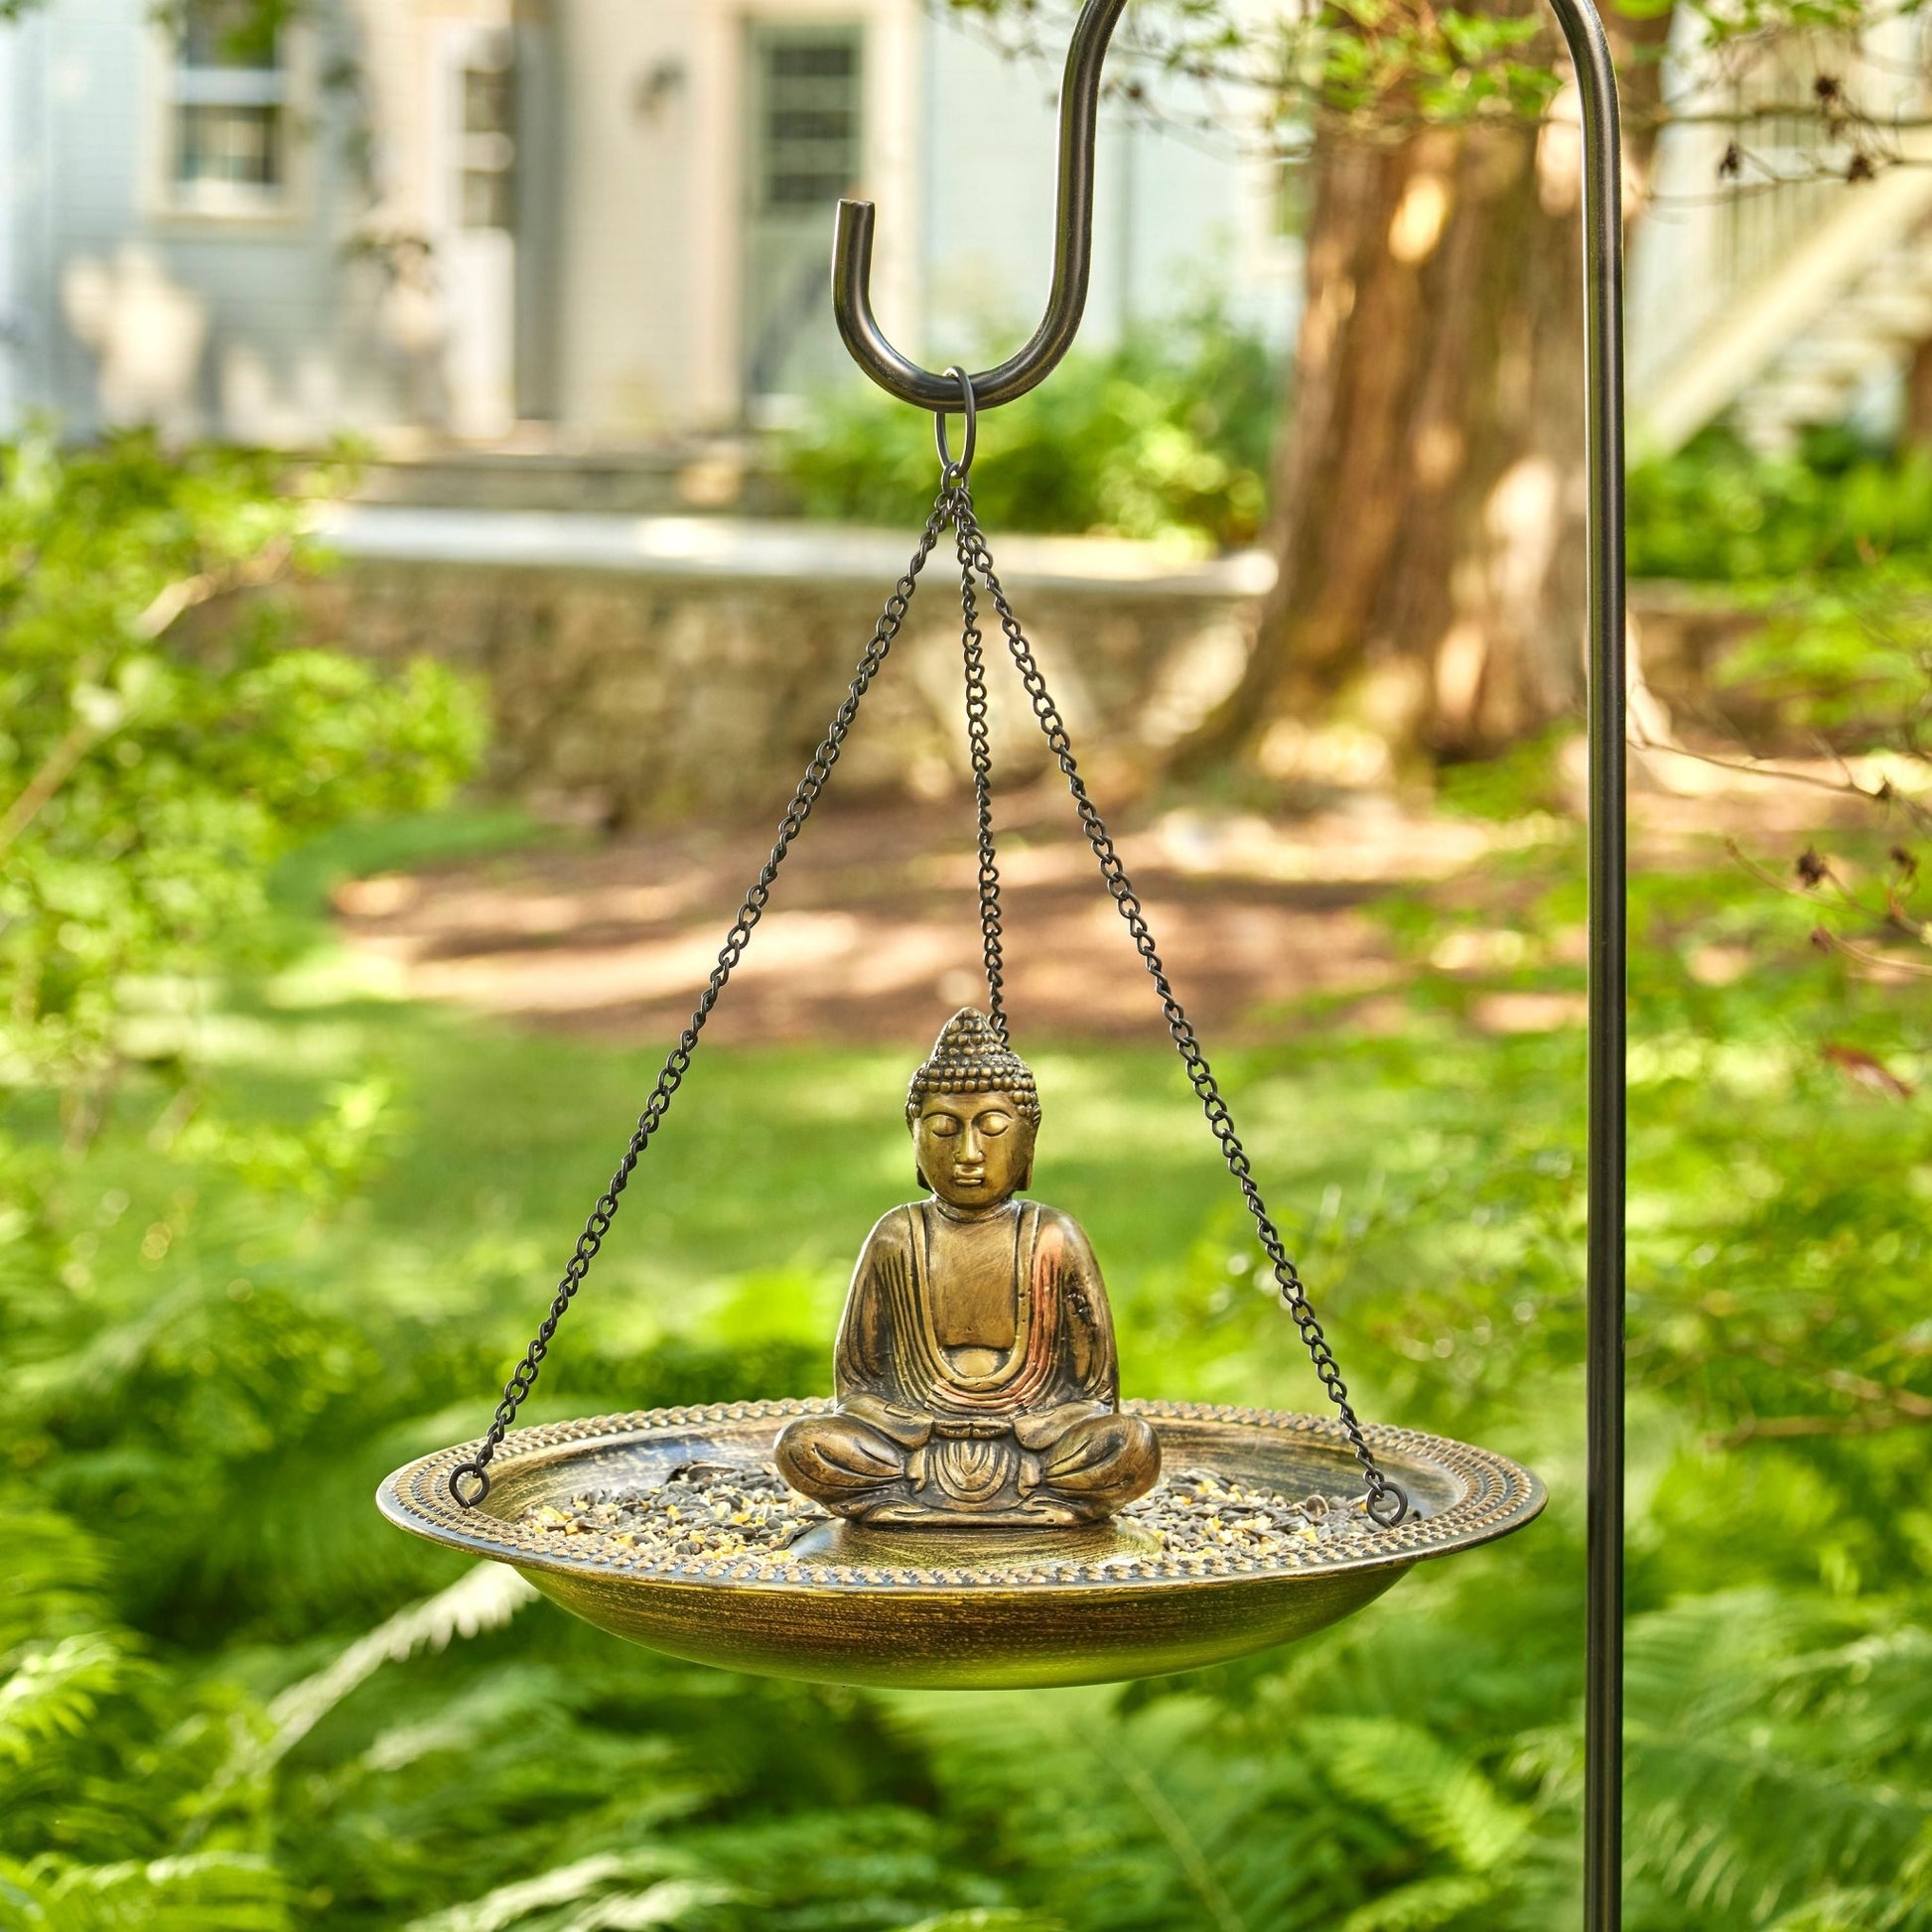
x: 975, y: 1370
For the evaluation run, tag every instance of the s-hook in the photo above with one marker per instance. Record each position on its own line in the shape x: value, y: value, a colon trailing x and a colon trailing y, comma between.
x: 1596, y: 83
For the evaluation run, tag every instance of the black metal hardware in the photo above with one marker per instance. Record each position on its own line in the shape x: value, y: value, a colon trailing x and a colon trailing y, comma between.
x: 949, y: 470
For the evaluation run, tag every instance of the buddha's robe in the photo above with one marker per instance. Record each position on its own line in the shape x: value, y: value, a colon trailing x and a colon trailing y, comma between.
x: 975, y: 1377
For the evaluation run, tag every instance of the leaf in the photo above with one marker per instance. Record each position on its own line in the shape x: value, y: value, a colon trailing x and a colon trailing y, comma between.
x: 1866, y: 1071
x: 484, y: 1598
x: 210, y: 1891
x: 1428, y: 1789
x: 1420, y: 1906
x: 53, y: 1690
x: 664, y: 1903
x: 987, y: 1919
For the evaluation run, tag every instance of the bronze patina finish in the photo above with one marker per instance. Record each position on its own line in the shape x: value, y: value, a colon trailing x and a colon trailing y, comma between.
x: 950, y: 1608
x: 973, y: 1463
x: 975, y: 1368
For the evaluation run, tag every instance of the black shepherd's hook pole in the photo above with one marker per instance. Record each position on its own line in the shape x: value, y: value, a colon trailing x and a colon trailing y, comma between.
x: 1603, y: 293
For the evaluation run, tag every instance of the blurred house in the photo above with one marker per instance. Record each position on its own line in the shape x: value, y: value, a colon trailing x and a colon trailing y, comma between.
x: 548, y: 224
x: 1782, y: 276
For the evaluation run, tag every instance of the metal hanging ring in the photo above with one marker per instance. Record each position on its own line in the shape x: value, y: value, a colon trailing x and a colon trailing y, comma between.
x: 956, y: 471
x: 469, y: 1499
x: 1388, y: 1505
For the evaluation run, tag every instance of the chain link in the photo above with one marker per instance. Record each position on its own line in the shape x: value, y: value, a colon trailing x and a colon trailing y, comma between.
x: 469, y: 1482
x: 1385, y: 1502
x: 971, y: 646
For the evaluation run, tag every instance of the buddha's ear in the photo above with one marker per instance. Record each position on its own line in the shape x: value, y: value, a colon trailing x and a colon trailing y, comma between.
x: 1026, y: 1180
x: 919, y: 1174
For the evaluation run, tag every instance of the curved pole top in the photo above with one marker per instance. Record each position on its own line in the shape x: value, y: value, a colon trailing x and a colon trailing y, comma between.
x: 1066, y: 301
x: 1073, y: 252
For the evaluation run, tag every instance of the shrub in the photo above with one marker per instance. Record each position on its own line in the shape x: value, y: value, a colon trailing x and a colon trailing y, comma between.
x: 1718, y: 512
x: 1167, y: 433
x: 151, y: 771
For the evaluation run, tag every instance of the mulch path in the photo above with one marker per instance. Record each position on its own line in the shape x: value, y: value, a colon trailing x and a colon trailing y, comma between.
x: 873, y: 933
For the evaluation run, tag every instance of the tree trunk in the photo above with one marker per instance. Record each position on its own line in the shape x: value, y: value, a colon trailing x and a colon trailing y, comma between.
x: 1919, y: 397
x: 1429, y: 490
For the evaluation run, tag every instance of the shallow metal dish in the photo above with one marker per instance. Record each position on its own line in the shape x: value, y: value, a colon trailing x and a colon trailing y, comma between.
x: 964, y: 1608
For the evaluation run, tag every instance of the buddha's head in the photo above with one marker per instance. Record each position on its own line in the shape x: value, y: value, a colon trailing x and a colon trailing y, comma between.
x: 973, y: 1110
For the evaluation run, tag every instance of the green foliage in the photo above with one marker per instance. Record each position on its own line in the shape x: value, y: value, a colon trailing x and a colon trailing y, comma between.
x: 1374, y: 64
x: 1370, y: 68
x: 230, y: 1696
x: 152, y: 770
x: 1846, y: 659
x: 1832, y: 546
x: 1718, y: 512
x: 1166, y: 435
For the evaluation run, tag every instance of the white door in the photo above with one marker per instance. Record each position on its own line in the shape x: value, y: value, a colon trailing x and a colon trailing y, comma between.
x: 475, y: 97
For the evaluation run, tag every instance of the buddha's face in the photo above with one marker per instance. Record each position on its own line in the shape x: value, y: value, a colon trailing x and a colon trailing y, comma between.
x: 975, y: 1149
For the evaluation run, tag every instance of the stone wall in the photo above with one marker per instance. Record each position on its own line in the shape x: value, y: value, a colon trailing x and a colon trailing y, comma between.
x: 646, y: 668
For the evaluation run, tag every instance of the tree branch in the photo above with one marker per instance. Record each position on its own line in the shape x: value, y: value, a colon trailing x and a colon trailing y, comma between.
x: 1870, y: 1421
x: 178, y: 598
x: 55, y: 771
x: 170, y: 605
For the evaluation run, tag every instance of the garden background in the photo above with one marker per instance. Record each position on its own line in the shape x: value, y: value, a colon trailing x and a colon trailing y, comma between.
x: 275, y: 1220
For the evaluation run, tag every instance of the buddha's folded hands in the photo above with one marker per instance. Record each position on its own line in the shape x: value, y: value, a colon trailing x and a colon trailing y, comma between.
x: 908, y: 1428
x: 1042, y: 1428
x: 971, y: 1429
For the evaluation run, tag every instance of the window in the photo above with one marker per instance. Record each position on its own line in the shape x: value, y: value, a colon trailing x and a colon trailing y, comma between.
x: 809, y: 137
x: 805, y: 123
x: 230, y: 146
x: 485, y: 195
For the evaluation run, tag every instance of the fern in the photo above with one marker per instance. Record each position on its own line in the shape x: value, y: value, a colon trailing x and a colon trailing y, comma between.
x: 56, y: 1574
x: 1423, y: 1906
x: 538, y: 1902
x: 1433, y: 1793
x: 53, y: 1690
x: 484, y: 1598
x: 215, y: 1892
x: 980, y: 1918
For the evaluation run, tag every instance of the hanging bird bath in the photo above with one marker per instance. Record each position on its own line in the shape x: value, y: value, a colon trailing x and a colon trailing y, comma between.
x: 973, y: 1607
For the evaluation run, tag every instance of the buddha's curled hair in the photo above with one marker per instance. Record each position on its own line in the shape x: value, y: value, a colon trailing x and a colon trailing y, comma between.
x: 969, y: 1057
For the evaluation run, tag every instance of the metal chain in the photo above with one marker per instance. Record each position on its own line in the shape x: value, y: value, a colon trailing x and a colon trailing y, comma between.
x: 671, y: 1076
x: 1385, y: 1502
x: 976, y: 732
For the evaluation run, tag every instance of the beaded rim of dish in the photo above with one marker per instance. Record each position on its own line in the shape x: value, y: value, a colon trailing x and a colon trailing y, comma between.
x: 1499, y: 1495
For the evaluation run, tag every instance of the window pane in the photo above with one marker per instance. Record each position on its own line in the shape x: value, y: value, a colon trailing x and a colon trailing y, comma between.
x: 487, y: 153
x: 487, y: 197
x: 810, y: 121
x: 486, y: 100
x: 235, y: 145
